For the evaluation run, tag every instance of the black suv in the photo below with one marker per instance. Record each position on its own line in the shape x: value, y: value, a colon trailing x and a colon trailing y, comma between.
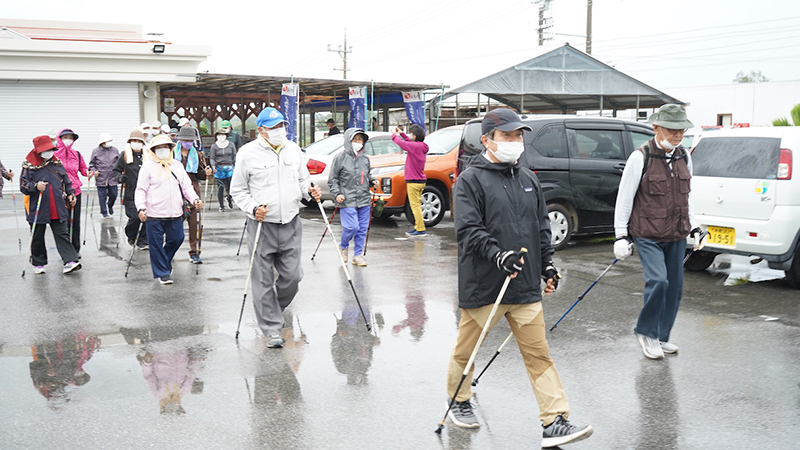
x: 579, y: 162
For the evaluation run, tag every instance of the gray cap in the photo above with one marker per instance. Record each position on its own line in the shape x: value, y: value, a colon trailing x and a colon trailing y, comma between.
x: 671, y: 116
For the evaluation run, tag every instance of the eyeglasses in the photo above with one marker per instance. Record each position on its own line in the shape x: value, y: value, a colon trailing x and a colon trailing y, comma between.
x: 672, y: 132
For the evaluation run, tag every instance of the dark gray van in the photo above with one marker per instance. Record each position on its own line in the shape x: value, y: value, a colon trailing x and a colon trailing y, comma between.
x: 579, y: 162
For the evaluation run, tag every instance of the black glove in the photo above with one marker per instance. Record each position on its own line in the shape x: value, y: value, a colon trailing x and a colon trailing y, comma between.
x: 695, y: 230
x: 122, y: 179
x: 508, y: 261
x: 550, y: 272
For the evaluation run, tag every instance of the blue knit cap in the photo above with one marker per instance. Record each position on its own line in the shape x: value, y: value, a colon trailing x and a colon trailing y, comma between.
x: 269, y: 117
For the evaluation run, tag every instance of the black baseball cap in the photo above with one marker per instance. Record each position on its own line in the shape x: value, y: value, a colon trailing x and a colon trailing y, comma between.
x: 502, y: 119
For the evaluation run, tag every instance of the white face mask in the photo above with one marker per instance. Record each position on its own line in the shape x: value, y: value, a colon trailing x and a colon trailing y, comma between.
x: 508, y: 152
x: 665, y: 144
x: 277, y: 136
x: 47, y: 155
x: 163, y: 153
x: 357, y: 146
x: 222, y: 138
x: 136, y: 145
x: 67, y: 142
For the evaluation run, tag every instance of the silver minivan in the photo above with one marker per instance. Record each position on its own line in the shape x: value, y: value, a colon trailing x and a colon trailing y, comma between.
x: 746, y: 194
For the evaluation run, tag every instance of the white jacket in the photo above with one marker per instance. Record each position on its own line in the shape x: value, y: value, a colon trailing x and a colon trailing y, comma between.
x: 278, y: 180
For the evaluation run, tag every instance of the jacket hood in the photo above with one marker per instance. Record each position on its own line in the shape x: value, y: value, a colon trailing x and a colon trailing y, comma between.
x: 60, y: 144
x: 349, y: 134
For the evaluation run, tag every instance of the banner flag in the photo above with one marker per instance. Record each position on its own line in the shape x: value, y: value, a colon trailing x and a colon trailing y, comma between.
x: 358, y: 110
x: 415, y: 107
x: 289, y: 109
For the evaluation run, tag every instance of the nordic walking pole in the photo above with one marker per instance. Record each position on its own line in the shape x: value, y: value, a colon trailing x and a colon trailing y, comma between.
x: 242, y: 239
x: 580, y: 297
x: 130, y: 260
x: 344, y: 266
x: 199, y: 238
x: 695, y: 247
x: 478, y: 345
x: 324, y: 232
x: 16, y: 218
x: 33, y: 228
x: 249, y: 274
x: 121, y: 206
x: 86, y: 216
x: 496, y: 354
x: 366, y: 240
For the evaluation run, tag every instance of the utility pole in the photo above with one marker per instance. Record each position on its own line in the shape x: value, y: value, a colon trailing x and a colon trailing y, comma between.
x: 544, y: 22
x: 589, y: 27
x: 343, y: 54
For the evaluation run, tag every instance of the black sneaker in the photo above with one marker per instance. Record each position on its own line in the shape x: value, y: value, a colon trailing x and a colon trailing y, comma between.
x: 230, y: 202
x: 562, y: 432
x: 166, y: 279
x: 461, y: 414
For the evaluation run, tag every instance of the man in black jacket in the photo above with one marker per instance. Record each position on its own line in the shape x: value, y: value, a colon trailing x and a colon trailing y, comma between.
x: 501, y: 210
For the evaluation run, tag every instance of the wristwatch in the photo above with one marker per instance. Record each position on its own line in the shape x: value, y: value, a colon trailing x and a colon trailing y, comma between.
x: 254, y: 210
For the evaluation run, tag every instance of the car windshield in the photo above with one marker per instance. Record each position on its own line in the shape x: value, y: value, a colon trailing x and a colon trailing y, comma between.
x: 326, y: 146
x: 442, y: 141
x: 737, y: 157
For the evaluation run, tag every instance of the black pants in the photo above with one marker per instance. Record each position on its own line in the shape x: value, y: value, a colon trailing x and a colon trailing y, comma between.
x: 133, y: 225
x: 224, y: 186
x: 74, y: 223
x: 60, y: 235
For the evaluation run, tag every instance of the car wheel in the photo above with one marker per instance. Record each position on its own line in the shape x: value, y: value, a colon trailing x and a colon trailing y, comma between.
x: 432, y: 207
x: 699, y: 261
x: 793, y: 274
x: 560, y: 225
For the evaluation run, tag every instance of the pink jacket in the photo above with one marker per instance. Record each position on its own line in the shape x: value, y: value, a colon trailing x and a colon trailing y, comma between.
x: 415, y: 160
x: 158, y: 192
x: 73, y: 163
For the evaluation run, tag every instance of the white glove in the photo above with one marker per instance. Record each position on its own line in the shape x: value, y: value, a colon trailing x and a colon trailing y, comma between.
x: 699, y: 238
x: 623, y: 248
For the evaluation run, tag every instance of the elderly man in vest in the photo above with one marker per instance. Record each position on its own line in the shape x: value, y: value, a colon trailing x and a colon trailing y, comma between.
x: 654, y: 212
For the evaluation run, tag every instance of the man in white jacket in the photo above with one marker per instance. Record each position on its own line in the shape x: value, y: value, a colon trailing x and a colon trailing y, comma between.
x: 269, y: 180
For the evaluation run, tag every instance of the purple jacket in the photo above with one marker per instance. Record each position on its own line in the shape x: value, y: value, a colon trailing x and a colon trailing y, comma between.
x: 103, y: 161
x: 3, y: 174
x: 415, y: 161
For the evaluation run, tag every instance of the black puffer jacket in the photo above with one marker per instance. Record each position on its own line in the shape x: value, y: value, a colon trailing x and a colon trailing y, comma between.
x: 499, y: 207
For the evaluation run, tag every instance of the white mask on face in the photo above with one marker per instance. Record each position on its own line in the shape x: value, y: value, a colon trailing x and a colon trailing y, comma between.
x: 508, y: 152
x: 163, y: 153
x: 47, y: 155
x: 277, y: 136
x: 67, y: 142
x: 665, y: 144
x: 136, y: 145
x: 357, y: 146
x: 222, y: 138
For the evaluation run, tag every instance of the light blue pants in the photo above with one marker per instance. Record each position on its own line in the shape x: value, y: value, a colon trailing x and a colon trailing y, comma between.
x: 355, y: 222
x: 663, y: 286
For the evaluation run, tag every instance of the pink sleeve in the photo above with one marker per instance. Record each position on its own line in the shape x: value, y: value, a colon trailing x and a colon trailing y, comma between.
x: 81, y: 164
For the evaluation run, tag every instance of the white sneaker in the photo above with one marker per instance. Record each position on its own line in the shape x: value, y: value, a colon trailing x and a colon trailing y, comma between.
x: 72, y: 266
x: 344, y: 254
x: 650, y: 347
x: 359, y: 261
x: 38, y: 269
x: 668, y: 348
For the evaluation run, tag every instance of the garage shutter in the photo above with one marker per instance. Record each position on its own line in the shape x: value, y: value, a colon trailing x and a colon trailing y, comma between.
x: 31, y: 108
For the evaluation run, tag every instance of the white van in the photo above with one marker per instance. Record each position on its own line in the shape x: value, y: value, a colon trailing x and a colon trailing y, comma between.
x: 746, y: 194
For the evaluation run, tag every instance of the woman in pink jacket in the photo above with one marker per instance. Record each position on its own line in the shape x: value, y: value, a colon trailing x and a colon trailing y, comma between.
x: 74, y: 164
x: 161, y: 189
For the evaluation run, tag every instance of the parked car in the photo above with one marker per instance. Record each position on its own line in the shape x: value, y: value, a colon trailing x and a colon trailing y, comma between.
x: 579, y: 162
x: 746, y: 194
x: 320, y: 156
x: 440, y: 165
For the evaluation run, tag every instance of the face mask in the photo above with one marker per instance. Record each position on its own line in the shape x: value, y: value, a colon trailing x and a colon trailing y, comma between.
x: 46, y: 155
x: 508, y: 152
x: 67, y: 142
x: 666, y: 145
x: 136, y: 145
x: 187, y: 145
x: 163, y: 153
x: 357, y: 146
x: 277, y: 136
x: 222, y: 138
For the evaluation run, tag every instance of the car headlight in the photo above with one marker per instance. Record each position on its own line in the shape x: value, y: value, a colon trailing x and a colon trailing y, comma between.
x: 386, y: 185
x: 378, y: 171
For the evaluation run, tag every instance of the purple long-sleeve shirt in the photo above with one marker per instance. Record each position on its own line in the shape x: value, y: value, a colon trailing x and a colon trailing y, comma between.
x: 415, y: 160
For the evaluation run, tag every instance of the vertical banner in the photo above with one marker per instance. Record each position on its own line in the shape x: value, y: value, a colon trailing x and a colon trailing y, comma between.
x: 358, y: 113
x: 289, y: 109
x: 415, y: 107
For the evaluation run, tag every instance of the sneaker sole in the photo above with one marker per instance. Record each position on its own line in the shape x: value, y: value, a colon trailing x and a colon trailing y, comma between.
x: 274, y: 345
x: 458, y: 422
x: 165, y: 282
x: 78, y: 267
x: 570, y: 438
x: 646, y: 353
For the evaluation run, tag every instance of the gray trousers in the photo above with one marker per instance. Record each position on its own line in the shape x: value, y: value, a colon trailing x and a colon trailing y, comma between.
x: 279, y: 249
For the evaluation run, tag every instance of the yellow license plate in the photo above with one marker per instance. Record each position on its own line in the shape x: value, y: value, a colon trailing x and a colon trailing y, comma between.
x: 721, y: 236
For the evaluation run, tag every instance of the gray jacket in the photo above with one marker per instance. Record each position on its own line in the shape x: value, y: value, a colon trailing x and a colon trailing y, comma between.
x: 350, y: 174
x: 103, y: 160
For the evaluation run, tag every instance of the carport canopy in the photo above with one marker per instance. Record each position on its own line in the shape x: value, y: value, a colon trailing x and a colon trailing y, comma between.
x: 565, y: 79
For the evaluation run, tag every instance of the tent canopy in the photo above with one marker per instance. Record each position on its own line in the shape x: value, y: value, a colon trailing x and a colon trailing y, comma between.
x: 566, y: 79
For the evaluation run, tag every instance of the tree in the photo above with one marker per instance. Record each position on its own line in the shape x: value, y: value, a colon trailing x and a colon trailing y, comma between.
x: 784, y: 122
x: 754, y: 76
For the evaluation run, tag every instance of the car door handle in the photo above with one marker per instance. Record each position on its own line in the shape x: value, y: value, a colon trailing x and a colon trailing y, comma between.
x: 620, y: 166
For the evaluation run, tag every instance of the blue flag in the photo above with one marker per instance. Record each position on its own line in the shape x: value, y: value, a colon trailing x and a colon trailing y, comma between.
x: 415, y: 107
x: 289, y: 109
x: 358, y: 110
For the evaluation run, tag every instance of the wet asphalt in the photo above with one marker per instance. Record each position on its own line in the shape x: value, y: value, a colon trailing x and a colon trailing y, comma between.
x: 98, y: 360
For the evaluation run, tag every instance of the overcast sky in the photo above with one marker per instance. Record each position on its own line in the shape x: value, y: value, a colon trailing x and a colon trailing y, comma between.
x: 665, y: 44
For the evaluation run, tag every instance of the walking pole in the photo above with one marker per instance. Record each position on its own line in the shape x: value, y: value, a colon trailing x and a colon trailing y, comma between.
x: 121, y: 206
x: 130, y: 260
x: 242, y: 239
x: 324, y: 232
x: 16, y: 218
x: 205, y: 194
x: 33, y: 228
x: 478, y: 345
x: 249, y: 275
x: 496, y: 354
x: 86, y: 216
x: 695, y: 247
x: 366, y: 240
x: 344, y: 266
x: 584, y: 294
x: 199, y: 238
